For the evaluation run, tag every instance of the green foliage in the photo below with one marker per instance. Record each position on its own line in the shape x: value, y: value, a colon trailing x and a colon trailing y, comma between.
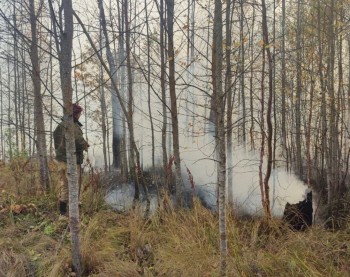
x: 49, y: 229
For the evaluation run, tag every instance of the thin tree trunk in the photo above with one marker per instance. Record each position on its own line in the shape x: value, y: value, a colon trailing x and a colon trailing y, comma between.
x: 2, y: 145
x: 298, y: 164
x: 50, y: 64
x: 136, y: 165
x: 173, y: 99
x: 219, y: 109
x: 188, y: 73
x: 333, y: 140
x: 273, y: 64
x: 323, y: 91
x: 163, y: 89
x: 268, y: 113
x: 228, y: 92
x: 9, y: 118
x: 348, y: 94
x: 16, y: 77
x: 22, y: 104
x: 251, y: 86
x: 308, y: 134
x: 28, y: 127
x: 242, y: 74
x: 207, y: 123
x: 105, y: 149
x: 340, y: 189
x: 149, y: 90
x: 122, y: 81
x: 284, y: 85
x: 117, y: 124
x: 38, y: 108
x: 65, y: 57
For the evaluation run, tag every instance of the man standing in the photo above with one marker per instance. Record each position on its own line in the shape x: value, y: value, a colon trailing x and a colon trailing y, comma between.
x: 60, y: 147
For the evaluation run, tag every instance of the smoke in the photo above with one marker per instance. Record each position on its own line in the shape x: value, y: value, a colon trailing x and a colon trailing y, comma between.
x: 198, y: 158
x: 198, y: 155
x: 284, y: 187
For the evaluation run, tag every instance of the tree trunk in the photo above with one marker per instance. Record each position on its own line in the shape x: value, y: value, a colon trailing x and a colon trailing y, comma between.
x: 9, y: 118
x: 2, y: 144
x: 341, y: 114
x: 16, y: 78
x: 22, y: 104
x: 264, y: 182
x: 251, y: 85
x: 268, y: 113
x: 163, y: 89
x: 117, y: 122
x: 284, y: 85
x: 122, y: 80
x: 173, y: 99
x: 308, y: 134
x: 149, y: 89
x: 105, y: 149
x: 38, y: 108
x: 333, y: 139
x: 242, y: 74
x: 298, y: 163
x: 65, y: 57
x: 50, y: 77
x: 219, y: 110
x: 133, y: 167
x: 136, y: 165
x: 323, y: 97
x: 228, y: 92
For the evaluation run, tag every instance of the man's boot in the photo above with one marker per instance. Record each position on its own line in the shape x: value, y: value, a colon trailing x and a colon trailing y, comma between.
x: 63, y: 208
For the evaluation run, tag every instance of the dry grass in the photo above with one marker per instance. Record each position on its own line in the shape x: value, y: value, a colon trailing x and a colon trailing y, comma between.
x: 182, y: 243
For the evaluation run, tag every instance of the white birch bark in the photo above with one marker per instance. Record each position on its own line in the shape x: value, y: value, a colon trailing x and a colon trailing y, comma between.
x: 65, y: 56
x: 219, y: 118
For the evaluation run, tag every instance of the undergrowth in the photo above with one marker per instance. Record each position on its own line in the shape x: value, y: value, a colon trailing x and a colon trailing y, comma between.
x: 33, y: 242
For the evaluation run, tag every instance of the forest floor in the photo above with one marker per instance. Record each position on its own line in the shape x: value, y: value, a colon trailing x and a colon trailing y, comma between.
x: 33, y: 242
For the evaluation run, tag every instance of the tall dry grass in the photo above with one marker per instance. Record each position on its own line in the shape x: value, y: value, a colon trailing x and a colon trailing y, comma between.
x: 169, y: 243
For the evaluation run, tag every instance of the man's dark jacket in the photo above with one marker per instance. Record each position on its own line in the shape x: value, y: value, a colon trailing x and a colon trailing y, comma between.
x: 60, y: 142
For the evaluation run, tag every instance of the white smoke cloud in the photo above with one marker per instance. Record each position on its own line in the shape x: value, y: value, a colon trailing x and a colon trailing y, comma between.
x: 284, y: 187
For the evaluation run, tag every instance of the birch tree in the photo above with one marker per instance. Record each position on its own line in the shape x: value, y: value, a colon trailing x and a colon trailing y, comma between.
x: 219, y: 109
x: 65, y: 62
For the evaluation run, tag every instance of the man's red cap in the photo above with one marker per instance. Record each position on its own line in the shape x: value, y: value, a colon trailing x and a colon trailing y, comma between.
x: 77, y: 109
